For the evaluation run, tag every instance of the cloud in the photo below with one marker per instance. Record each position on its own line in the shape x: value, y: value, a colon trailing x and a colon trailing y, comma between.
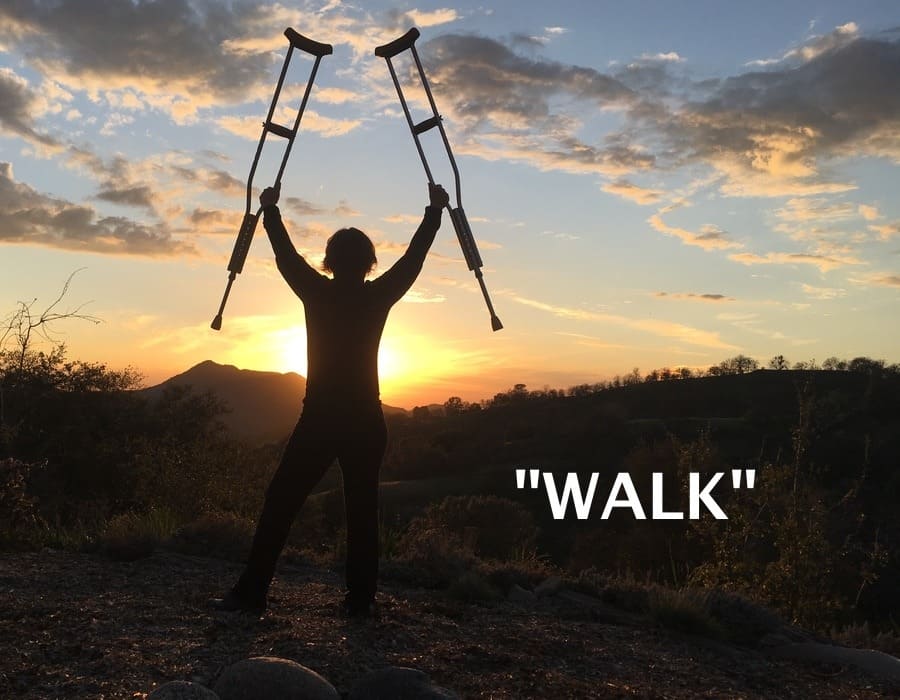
x: 885, y: 280
x: 816, y: 209
x: 815, y: 46
x: 137, y: 196
x: 869, y: 213
x: 179, y: 59
x: 213, y: 222
x: 403, y: 219
x: 302, y: 207
x: 504, y: 103
x: 27, y: 216
x: 886, y: 231
x: 18, y: 106
x: 628, y: 190
x: 248, y: 127
x: 494, y: 83
x: 401, y: 20
x: 216, y: 180
x: 709, y: 238
x: 691, y: 296
x: 336, y: 95
x: 823, y: 262
x: 424, y: 18
x: 767, y: 133
x: 421, y: 297
x: 778, y: 125
x: 659, y: 327
x: 823, y: 293
x: 668, y: 57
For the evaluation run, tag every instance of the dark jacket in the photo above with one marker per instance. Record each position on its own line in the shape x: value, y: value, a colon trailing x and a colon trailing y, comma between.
x: 344, y: 321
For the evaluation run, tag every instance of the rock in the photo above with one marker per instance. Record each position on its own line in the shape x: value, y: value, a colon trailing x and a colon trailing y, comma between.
x: 398, y: 683
x: 549, y: 586
x: 875, y: 663
x: 182, y: 690
x: 264, y: 677
x: 517, y: 594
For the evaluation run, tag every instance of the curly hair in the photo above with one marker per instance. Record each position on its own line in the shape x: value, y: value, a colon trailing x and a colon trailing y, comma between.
x: 349, y: 250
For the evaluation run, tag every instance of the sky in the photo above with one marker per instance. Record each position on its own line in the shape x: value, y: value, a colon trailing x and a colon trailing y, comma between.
x: 651, y: 184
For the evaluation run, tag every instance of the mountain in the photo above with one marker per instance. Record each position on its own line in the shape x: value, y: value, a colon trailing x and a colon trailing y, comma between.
x: 262, y: 406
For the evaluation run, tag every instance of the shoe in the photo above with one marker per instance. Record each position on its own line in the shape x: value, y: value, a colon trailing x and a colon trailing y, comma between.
x: 232, y: 602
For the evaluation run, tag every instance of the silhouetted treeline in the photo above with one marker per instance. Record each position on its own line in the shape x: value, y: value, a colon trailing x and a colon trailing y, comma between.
x: 818, y: 537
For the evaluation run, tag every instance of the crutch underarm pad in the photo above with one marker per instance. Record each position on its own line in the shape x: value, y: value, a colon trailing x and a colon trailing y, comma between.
x: 298, y: 41
x: 394, y: 47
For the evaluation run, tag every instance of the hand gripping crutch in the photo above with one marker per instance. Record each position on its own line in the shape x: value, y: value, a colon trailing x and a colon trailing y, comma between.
x: 248, y: 226
x: 457, y: 216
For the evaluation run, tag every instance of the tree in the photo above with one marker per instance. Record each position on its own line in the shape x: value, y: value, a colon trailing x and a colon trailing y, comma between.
x: 739, y: 364
x: 24, y: 323
x: 779, y: 362
x: 866, y: 365
x: 834, y: 363
x: 454, y: 406
x: 21, y: 365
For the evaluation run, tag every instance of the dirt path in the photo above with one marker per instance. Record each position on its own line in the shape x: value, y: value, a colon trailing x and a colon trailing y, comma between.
x: 81, y: 626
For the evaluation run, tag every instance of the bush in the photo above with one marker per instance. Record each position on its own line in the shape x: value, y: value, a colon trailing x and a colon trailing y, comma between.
x: 490, y: 526
x: 473, y: 587
x: 131, y: 536
x: 683, y: 610
x: 19, y: 516
x: 220, y: 535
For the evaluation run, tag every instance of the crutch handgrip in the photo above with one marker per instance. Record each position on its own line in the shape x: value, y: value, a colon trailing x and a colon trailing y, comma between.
x: 466, y: 239
x: 298, y: 41
x: 394, y: 47
x: 242, y: 244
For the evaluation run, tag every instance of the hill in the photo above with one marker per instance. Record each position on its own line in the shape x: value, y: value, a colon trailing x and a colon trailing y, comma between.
x: 262, y: 406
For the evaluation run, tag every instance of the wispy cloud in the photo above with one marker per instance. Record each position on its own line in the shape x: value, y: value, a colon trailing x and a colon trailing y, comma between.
x: 823, y: 262
x: 691, y: 296
x: 710, y: 237
x: 823, y: 293
x: 886, y: 231
x: 628, y: 190
x: 658, y: 327
x: 814, y: 46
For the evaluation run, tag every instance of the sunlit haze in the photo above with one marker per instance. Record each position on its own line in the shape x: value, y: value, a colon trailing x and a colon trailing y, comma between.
x: 651, y: 184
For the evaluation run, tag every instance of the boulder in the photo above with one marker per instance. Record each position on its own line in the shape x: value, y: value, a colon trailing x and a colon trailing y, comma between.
x: 398, y: 683
x: 548, y: 587
x: 182, y: 690
x: 265, y: 677
x: 517, y: 594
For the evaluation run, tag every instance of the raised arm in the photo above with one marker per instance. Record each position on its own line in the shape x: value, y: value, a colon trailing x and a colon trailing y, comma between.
x: 400, y: 277
x: 299, y: 274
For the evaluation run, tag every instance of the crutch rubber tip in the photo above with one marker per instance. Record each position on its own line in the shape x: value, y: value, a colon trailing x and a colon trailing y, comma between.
x: 216, y: 324
x: 495, y: 323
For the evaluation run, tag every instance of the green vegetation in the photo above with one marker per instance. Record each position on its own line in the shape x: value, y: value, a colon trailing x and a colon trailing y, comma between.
x: 85, y: 461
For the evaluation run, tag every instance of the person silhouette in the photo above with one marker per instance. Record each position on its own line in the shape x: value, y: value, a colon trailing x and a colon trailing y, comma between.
x: 342, y: 417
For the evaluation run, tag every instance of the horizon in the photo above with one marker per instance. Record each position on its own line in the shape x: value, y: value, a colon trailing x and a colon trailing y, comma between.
x: 762, y: 367
x: 645, y: 193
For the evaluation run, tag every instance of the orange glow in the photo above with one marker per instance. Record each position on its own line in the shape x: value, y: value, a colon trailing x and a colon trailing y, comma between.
x: 289, y: 346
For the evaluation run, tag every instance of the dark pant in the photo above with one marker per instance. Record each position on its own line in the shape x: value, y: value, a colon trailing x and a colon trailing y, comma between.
x: 357, y: 438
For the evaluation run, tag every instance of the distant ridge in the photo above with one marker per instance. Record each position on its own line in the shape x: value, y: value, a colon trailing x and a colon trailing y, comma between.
x: 263, y: 406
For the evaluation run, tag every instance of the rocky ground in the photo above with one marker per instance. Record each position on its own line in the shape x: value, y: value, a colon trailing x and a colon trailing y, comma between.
x: 81, y: 626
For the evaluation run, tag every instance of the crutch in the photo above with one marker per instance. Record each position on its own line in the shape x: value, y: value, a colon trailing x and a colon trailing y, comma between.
x: 248, y: 226
x: 457, y: 216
